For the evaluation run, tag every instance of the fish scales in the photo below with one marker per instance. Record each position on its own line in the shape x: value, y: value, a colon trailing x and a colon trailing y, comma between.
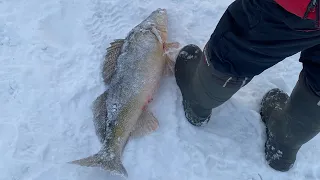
x: 136, y: 75
x: 139, y: 68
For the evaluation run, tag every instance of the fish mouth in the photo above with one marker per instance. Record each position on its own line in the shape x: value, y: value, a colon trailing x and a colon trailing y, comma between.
x: 159, y: 16
x: 158, y: 19
x: 161, y: 19
x: 162, y: 10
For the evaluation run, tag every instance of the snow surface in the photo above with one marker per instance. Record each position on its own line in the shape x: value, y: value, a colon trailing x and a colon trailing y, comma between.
x: 50, y: 57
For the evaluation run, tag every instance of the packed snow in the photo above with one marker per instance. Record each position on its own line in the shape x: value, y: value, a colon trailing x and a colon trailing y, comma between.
x: 50, y: 72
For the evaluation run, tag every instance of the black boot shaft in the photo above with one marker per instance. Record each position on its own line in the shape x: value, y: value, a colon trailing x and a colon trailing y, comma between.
x: 290, y: 122
x: 203, y: 88
x: 302, y: 114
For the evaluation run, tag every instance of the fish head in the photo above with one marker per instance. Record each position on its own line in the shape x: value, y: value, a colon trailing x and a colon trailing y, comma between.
x: 159, y: 19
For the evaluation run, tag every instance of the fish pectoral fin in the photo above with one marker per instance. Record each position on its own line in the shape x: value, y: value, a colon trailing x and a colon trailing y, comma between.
x: 110, y: 61
x: 169, y: 68
x: 146, y: 124
x: 156, y: 32
x: 172, y: 45
x: 171, y: 52
x: 114, y: 166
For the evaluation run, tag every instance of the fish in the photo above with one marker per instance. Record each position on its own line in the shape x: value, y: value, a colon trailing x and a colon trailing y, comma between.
x: 132, y: 70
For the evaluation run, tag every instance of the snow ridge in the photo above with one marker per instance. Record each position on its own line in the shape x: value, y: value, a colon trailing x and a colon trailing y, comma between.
x: 50, y: 72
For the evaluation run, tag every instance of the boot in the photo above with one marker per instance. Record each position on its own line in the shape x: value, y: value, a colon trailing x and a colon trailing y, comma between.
x: 290, y: 123
x: 202, y: 87
x: 185, y: 68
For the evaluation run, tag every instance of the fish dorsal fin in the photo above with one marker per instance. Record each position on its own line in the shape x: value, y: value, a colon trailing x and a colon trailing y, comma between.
x: 146, y: 124
x: 110, y: 61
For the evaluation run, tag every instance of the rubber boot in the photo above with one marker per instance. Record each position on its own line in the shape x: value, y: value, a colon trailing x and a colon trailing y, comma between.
x: 185, y: 68
x: 290, y: 123
x: 202, y: 87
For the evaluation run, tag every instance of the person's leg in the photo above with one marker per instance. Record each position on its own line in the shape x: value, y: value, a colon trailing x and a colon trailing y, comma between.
x: 251, y: 36
x: 203, y: 88
x: 293, y: 120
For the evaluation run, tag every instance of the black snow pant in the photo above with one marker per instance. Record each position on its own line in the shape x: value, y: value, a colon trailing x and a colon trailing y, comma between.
x: 254, y: 35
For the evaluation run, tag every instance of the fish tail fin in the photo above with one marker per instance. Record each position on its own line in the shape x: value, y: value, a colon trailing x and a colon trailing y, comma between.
x: 114, y: 165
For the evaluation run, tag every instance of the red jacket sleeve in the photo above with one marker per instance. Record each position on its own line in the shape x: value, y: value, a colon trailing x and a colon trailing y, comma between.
x: 297, y: 7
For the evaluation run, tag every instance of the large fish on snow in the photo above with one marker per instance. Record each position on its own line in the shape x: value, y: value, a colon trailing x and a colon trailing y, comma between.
x: 132, y: 69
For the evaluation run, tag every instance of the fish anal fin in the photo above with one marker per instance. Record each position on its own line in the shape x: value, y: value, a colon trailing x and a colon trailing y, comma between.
x: 110, y: 61
x: 146, y: 124
x: 100, y: 115
x: 112, y: 165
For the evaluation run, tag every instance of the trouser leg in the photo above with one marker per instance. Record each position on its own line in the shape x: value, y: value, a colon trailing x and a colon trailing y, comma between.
x: 251, y: 36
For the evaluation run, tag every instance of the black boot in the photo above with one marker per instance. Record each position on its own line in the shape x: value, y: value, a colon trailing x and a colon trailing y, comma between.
x: 202, y: 87
x: 185, y: 68
x: 290, y: 123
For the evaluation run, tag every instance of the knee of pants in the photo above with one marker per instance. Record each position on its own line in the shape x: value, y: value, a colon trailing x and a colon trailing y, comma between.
x: 249, y: 39
x: 230, y: 50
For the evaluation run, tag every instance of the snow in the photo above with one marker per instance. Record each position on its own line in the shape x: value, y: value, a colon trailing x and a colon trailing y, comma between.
x: 50, y: 57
